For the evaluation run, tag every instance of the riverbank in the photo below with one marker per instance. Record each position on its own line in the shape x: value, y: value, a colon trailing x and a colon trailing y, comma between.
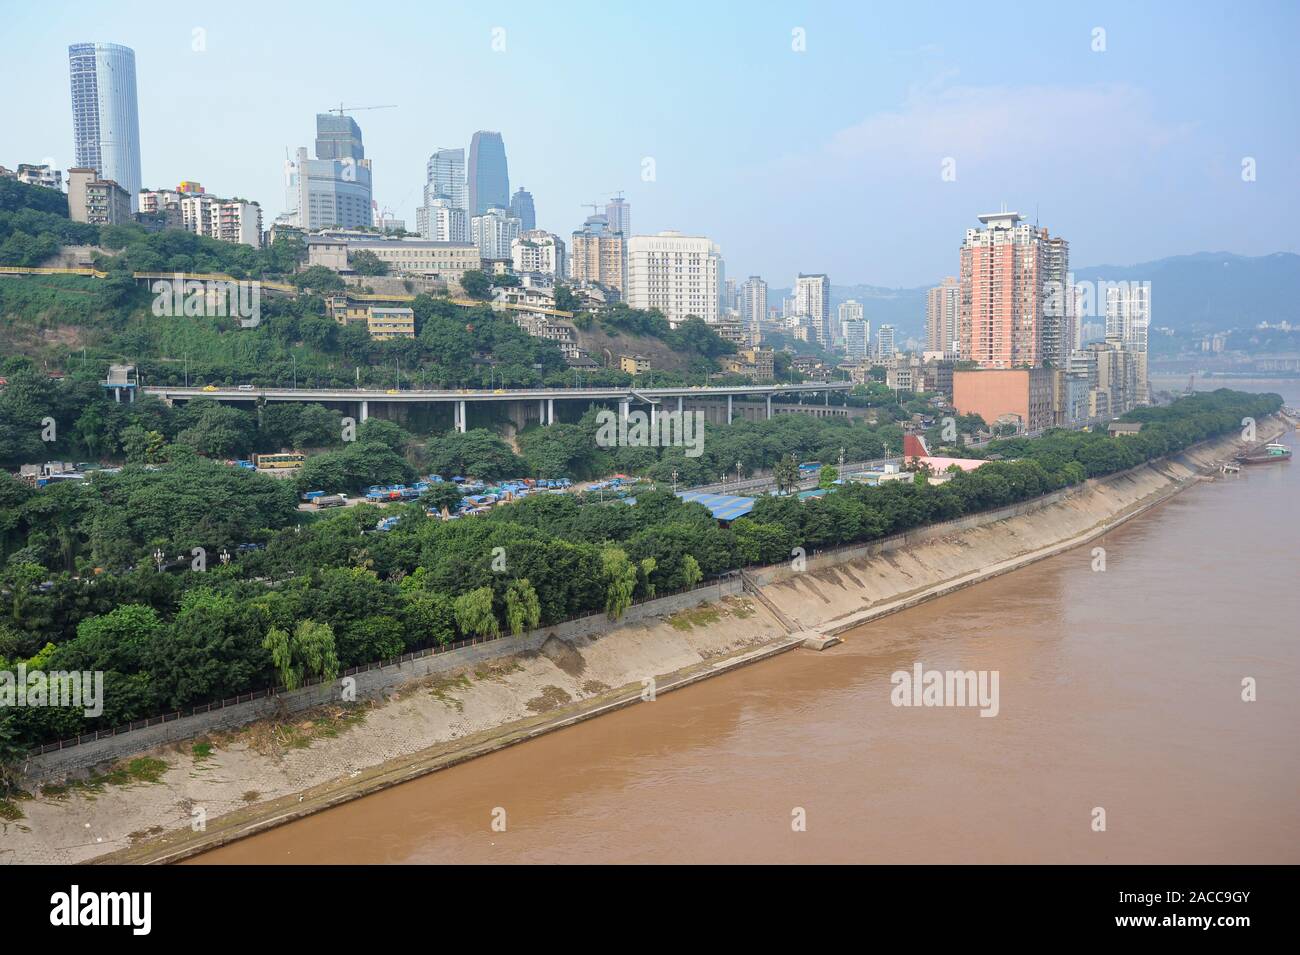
x: 266, y: 775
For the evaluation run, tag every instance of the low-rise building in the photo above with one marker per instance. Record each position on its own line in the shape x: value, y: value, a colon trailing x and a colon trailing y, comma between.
x: 190, y: 208
x: 812, y: 367
x: 96, y: 201
x: 445, y: 260
x: 757, y: 363
x: 1020, y: 396
x: 633, y: 364
x: 40, y: 175
x: 385, y: 324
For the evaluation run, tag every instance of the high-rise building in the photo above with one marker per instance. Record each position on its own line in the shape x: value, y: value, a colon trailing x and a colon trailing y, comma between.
x: 493, y: 232
x: 618, y: 214
x: 812, y: 296
x: 753, y: 305
x: 849, y: 311
x: 1128, y: 321
x: 338, y: 137
x: 536, y: 250
x: 1056, y: 335
x: 885, y: 347
x: 444, y: 180
x: 521, y: 207
x: 325, y: 193
x: 680, y: 275
x: 942, y: 310
x: 105, y: 113
x: 1112, y: 372
x: 445, y: 177
x: 334, y: 189
x: 488, y: 176
x: 1002, y: 292
x: 857, y: 337
x: 598, y: 255
x: 442, y: 221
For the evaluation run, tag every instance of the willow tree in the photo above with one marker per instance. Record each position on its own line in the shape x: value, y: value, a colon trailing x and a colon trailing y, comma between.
x: 523, y: 609
x: 691, y: 571
x: 307, y: 652
x: 647, y: 567
x: 474, y: 614
x: 620, y: 576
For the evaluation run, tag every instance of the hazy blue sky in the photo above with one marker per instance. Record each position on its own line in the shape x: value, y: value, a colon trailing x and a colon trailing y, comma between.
x: 824, y: 160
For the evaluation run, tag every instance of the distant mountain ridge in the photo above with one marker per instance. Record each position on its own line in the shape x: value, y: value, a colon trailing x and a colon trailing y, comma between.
x: 1200, y: 292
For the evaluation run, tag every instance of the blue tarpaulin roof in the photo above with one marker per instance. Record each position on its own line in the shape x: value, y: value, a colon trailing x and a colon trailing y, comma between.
x: 724, y: 507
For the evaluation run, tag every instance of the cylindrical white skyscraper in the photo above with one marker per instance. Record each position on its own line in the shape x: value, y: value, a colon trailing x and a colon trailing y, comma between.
x: 105, y: 114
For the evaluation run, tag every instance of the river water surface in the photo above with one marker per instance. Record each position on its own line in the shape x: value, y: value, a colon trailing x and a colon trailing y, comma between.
x: 1119, y: 689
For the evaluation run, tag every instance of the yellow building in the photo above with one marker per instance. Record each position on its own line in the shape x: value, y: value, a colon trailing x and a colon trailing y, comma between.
x: 388, y: 323
x: 757, y: 363
x: 634, y: 364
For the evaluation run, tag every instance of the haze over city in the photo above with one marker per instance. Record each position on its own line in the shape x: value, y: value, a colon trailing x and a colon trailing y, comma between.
x: 826, y: 159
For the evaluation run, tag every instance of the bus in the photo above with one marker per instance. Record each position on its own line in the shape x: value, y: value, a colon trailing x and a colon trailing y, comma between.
x: 279, y: 462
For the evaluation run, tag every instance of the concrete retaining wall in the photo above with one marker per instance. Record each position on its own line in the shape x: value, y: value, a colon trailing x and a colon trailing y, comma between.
x: 369, y: 684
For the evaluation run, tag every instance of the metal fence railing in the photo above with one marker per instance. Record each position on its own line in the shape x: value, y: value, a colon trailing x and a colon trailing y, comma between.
x: 431, y: 649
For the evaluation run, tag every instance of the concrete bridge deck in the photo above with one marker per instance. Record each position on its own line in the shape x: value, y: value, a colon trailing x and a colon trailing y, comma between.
x: 460, y: 398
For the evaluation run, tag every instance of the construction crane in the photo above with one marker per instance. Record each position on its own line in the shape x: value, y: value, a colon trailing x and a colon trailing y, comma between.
x: 341, y: 109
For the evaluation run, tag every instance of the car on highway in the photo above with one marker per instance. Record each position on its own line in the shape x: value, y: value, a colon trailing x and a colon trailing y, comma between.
x: 209, y: 387
x: 245, y: 387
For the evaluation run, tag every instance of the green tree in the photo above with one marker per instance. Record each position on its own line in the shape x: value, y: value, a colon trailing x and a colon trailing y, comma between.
x: 523, y: 611
x: 142, y: 446
x: 365, y: 262
x: 691, y: 571
x: 476, y: 284
x: 828, y: 476
x: 786, y: 473
x: 12, y: 753
x: 307, y: 652
x: 620, y: 576
x: 474, y: 614
x: 442, y: 496
x: 477, y: 453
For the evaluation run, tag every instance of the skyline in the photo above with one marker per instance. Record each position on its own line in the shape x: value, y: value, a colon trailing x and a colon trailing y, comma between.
x: 861, y: 122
